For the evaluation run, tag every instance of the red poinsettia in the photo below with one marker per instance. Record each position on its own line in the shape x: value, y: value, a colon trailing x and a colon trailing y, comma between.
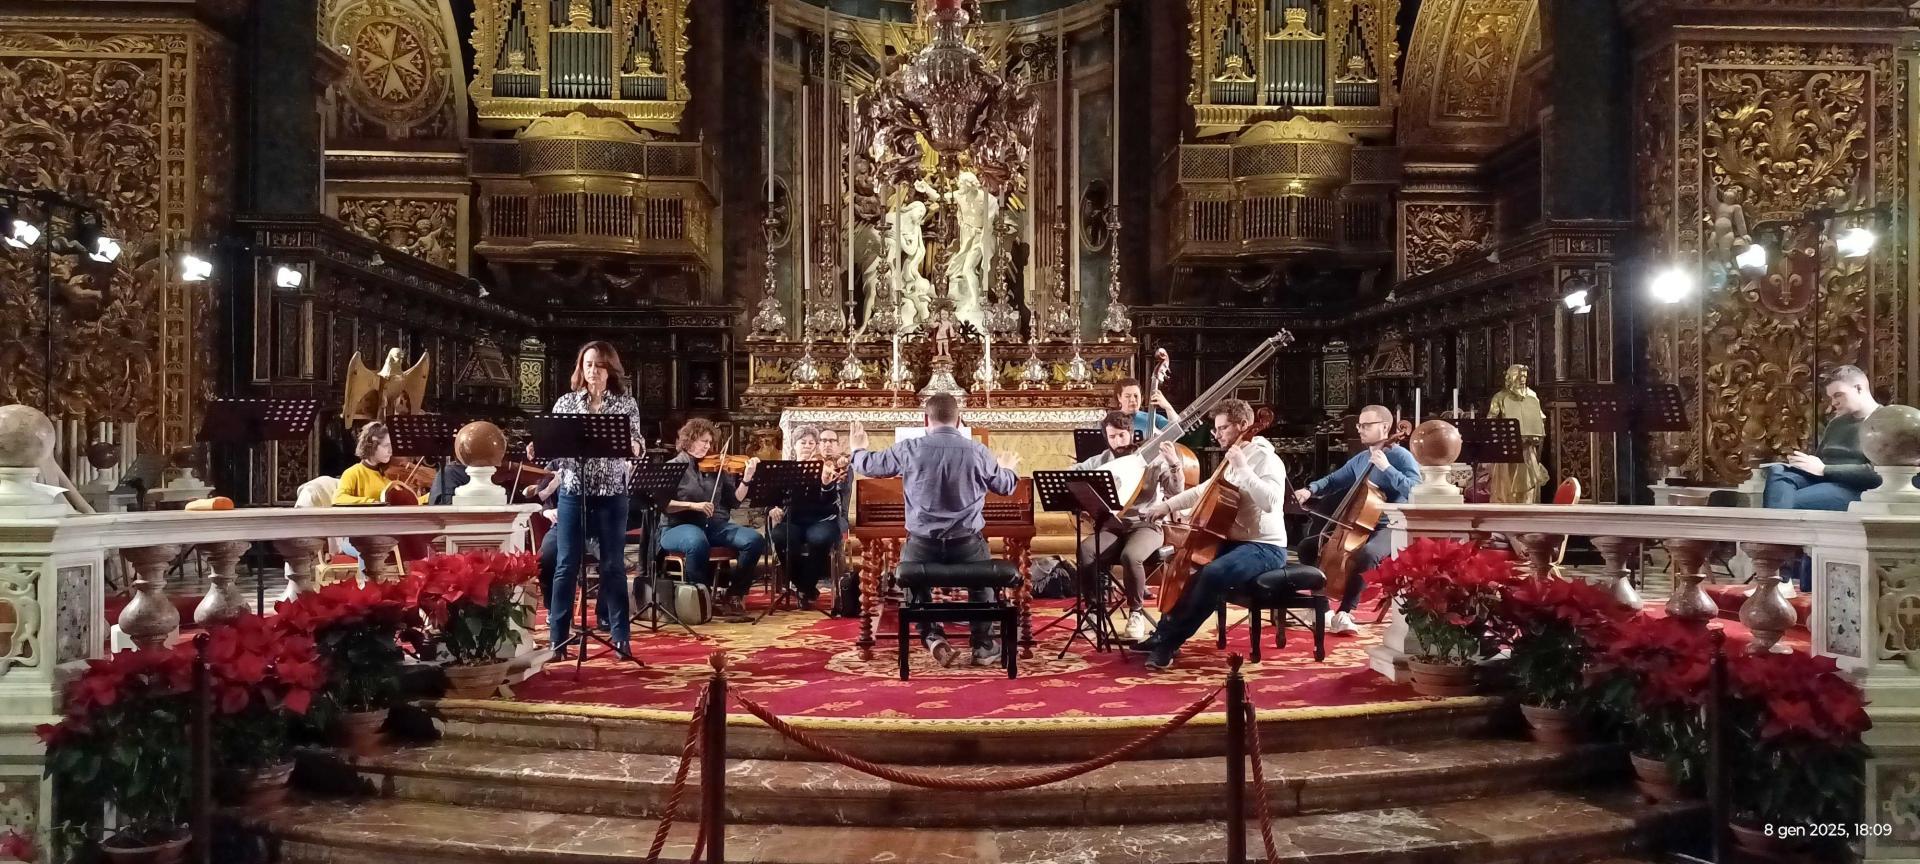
x: 1667, y: 659
x: 1448, y: 590
x: 16, y: 847
x: 347, y: 602
x: 1553, y: 626
x: 470, y: 599
x: 1801, y: 697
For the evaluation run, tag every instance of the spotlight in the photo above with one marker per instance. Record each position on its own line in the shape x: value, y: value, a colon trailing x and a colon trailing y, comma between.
x: 1576, y: 302
x: 104, y: 250
x: 1754, y: 257
x: 1671, y: 285
x: 20, y: 232
x: 287, y: 277
x: 1854, y: 242
x: 194, y: 268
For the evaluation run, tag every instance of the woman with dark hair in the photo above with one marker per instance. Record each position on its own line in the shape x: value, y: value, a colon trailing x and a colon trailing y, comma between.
x: 593, y: 499
x: 701, y: 517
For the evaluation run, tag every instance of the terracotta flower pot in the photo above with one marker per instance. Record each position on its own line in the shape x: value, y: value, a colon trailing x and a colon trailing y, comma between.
x: 360, y: 731
x: 1755, y: 839
x: 476, y: 682
x: 1653, y: 779
x: 268, y: 786
x: 1441, y: 679
x: 1558, y: 728
x: 165, y: 852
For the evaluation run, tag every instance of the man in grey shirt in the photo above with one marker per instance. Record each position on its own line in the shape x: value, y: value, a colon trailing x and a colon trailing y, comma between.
x: 945, y: 478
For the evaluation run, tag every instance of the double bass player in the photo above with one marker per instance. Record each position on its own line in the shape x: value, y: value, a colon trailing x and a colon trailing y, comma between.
x: 1388, y: 466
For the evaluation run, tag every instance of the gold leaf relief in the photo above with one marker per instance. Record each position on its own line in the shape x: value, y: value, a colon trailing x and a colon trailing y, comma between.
x: 424, y: 228
x: 1440, y: 234
x: 1480, y: 55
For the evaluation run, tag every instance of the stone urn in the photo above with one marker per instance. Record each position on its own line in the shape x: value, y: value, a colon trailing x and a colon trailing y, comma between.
x: 1890, y: 438
x: 480, y: 446
x: 1673, y: 458
x: 1436, y: 445
x: 27, y: 439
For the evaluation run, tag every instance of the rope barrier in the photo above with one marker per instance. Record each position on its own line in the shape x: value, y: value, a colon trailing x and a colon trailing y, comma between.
x: 679, y: 786
x: 1260, y: 783
x: 1004, y: 784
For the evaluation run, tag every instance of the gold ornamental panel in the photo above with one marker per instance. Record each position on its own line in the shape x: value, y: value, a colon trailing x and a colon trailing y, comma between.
x: 1434, y: 235
x: 1248, y: 56
x: 1276, y: 189
x: 431, y: 229
x: 1464, y: 90
x: 403, y: 80
x: 626, y: 58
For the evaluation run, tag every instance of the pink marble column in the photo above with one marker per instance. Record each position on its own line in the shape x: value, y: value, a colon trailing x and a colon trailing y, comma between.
x: 149, y: 620
x: 1766, y: 613
x: 1689, y: 600
x: 376, y: 555
x: 223, y: 601
x: 301, y: 553
x: 1542, y: 549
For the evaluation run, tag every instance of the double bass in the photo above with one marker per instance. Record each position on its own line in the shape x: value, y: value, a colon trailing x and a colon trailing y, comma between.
x: 1351, y: 524
x: 1219, y: 504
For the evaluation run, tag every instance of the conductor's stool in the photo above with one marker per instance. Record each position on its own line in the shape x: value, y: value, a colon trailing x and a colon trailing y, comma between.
x: 1280, y: 592
x: 1001, y: 576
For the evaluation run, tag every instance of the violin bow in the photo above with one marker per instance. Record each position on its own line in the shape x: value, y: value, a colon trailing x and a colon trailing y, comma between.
x: 714, y: 496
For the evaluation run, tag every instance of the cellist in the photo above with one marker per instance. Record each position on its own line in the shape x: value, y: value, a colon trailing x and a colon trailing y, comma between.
x: 1393, y: 471
x: 1256, y: 543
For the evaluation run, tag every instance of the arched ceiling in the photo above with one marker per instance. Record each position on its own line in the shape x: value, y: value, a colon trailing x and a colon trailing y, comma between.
x: 1463, y: 93
x: 405, y: 77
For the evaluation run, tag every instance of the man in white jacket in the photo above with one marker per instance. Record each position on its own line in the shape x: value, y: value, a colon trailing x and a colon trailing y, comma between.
x: 1256, y: 543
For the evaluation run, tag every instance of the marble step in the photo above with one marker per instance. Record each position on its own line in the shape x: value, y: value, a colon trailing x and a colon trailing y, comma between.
x: 974, y: 742
x: 1528, y: 827
x: 826, y: 793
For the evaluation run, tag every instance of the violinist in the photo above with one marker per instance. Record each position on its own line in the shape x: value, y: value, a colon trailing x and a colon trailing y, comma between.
x: 1256, y: 543
x: 813, y: 523
x: 593, y: 498
x: 700, y: 516
x: 1105, y: 548
x: 1394, y: 472
x: 363, y: 483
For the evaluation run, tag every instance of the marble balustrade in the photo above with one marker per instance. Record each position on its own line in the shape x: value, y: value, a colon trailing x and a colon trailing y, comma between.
x: 1865, y: 611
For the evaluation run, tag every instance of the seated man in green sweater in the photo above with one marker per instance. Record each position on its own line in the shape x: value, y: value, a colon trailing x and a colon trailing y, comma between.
x: 1836, y: 477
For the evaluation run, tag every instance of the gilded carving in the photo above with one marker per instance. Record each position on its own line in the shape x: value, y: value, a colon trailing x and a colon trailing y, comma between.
x: 111, y: 113
x: 427, y: 229
x: 1436, y: 235
x: 400, y: 82
x: 1462, y: 81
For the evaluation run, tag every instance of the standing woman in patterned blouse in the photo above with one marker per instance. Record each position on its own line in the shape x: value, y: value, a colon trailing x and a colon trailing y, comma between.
x: 599, y: 487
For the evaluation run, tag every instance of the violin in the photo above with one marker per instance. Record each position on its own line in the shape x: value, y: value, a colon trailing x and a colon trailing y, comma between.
x: 407, y: 471
x: 724, y: 464
x: 835, y: 470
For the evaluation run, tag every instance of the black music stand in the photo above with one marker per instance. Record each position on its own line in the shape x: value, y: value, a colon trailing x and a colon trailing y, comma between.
x: 780, y: 483
x: 245, y: 422
x: 423, y: 436
x: 1488, y: 441
x: 653, y: 484
x: 1090, y: 494
x: 584, y: 436
x: 1663, y: 409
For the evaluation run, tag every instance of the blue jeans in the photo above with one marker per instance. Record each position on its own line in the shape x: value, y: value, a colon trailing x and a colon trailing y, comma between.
x: 606, y: 517
x: 693, y: 542
x: 807, y: 551
x: 1238, y: 564
x: 1790, y: 488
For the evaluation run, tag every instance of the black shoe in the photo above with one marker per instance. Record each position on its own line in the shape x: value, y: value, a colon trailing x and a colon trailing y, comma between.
x: 1160, y: 659
x: 986, y: 654
x: 560, y: 654
x: 1151, y: 643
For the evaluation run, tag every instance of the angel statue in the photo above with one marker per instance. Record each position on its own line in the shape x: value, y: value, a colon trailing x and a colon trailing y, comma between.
x: 974, y: 208
x: 391, y: 392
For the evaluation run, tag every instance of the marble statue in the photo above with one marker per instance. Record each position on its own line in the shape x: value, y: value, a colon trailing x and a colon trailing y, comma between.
x: 1729, y: 224
x: 908, y: 247
x: 1519, y: 482
x: 970, y: 266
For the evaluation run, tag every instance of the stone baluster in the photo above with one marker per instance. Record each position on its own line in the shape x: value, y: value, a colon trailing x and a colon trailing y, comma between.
x: 149, y: 620
x: 376, y: 555
x: 301, y: 553
x: 1542, y: 549
x: 1689, y: 599
x: 1614, y: 552
x: 224, y: 600
x: 1766, y: 612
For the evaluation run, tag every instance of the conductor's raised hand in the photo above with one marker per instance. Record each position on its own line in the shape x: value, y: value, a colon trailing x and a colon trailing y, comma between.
x: 1008, y: 460
x: 857, y: 436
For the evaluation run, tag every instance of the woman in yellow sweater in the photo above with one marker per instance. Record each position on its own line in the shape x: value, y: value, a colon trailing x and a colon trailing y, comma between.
x: 363, y: 483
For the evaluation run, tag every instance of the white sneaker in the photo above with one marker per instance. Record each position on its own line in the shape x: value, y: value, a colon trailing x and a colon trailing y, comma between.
x: 1137, y: 626
x: 1342, y: 625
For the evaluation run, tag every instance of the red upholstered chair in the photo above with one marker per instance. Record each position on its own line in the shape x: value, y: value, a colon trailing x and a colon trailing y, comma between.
x: 1567, y: 494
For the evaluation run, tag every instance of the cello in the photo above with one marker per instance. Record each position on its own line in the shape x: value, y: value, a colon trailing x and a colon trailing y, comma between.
x: 1353, y: 522
x: 1198, y: 541
x: 1180, y: 570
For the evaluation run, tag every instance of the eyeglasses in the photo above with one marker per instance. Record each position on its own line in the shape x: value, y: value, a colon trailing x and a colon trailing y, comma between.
x: 1374, y: 423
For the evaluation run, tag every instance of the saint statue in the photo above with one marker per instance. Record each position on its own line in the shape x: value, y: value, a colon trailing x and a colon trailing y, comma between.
x: 1520, y: 482
x: 968, y: 269
x: 910, y: 254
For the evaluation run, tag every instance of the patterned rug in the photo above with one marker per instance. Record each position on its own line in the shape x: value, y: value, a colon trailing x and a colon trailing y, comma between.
x: 803, y: 664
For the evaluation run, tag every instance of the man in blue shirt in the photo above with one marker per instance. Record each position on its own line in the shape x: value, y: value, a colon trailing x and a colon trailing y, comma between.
x: 1126, y: 394
x: 1390, y: 468
x: 945, y: 478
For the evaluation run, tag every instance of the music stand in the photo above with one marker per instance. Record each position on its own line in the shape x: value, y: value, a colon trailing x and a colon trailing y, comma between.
x: 654, y: 484
x: 1092, y: 494
x: 584, y: 436
x: 423, y: 436
x: 1664, y: 409
x: 245, y: 422
x: 780, y: 483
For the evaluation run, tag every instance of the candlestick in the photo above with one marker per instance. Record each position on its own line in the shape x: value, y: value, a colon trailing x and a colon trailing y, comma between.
x: 1416, y: 405
x: 1456, y: 401
x: 770, y: 27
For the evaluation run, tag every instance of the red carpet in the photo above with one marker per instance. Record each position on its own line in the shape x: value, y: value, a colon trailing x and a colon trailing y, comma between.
x: 805, y: 664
